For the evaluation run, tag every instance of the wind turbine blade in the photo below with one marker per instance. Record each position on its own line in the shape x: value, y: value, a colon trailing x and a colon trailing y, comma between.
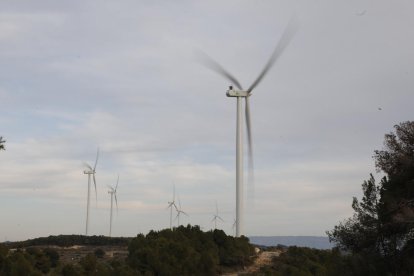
x: 94, y: 183
x: 184, y: 213
x: 249, y: 149
x: 284, y: 41
x: 216, y: 67
x: 220, y: 218
x: 96, y: 161
x: 173, y: 192
x: 116, y: 203
x: 87, y: 165
x: 216, y: 208
x: 117, y: 181
x: 179, y: 202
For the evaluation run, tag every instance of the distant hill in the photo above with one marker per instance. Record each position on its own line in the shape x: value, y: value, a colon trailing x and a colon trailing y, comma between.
x: 70, y: 240
x: 302, y: 241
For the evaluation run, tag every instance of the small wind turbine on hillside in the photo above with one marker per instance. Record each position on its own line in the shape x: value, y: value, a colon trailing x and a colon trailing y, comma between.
x: 216, y: 217
x: 112, y: 192
x: 171, y: 205
x: 239, y: 95
x: 90, y: 172
x: 179, y: 212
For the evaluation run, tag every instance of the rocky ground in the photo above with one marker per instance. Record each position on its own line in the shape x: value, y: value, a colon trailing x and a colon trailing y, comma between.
x: 263, y: 258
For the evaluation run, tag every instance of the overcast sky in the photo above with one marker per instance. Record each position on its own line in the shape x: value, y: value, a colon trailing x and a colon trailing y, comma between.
x: 124, y: 76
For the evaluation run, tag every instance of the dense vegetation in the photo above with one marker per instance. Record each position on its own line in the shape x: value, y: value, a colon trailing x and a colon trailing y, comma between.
x: 303, y: 261
x: 188, y: 251
x: 382, y: 227
x: 70, y: 240
x: 181, y: 251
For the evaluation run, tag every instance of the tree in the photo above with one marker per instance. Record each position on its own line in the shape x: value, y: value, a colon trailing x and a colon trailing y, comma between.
x: 88, y: 264
x: 2, y: 143
x: 397, y: 195
x: 99, y: 253
x: 382, y: 227
x: 361, y: 231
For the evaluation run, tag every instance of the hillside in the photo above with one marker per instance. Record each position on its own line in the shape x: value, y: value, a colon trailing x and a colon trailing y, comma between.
x: 180, y: 251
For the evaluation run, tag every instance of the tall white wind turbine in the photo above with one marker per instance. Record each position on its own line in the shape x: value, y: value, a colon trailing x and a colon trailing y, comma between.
x: 245, y: 94
x: 112, y: 192
x: 216, y: 217
x: 171, y: 205
x: 90, y: 172
x: 179, y: 212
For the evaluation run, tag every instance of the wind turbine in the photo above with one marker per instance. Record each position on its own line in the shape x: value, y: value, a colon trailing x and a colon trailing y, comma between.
x: 90, y: 172
x: 179, y: 212
x: 245, y: 94
x: 216, y: 216
x: 112, y: 192
x: 171, y: 204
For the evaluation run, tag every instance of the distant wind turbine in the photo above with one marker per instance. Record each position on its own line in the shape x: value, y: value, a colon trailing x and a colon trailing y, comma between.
x: 216, y: 217
x: 179, y: 212
x: 245, y: 94
x: 171, y: 205
x: 112, y: 192
x: 90, y: 172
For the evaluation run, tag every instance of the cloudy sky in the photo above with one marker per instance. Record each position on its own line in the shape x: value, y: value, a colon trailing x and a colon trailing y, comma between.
x: 124, y: 76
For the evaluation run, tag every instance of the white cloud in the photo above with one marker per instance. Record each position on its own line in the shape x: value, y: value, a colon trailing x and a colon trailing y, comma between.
x: 122, y: 76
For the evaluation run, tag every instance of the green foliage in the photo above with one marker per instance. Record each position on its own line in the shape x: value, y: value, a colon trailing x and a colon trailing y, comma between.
x: 88, y: 263
x: 302, y: 261
x: 186, y: 251
x: 182, y: 251
x: 2, y: 143
x: 380, y: 234
x: 53, y: 256
x: 19, y: 265
x: 70, y: 270
x: 70, y: 240
x: 307, y: 262
x: 99, y: 253
x: 362, y: 232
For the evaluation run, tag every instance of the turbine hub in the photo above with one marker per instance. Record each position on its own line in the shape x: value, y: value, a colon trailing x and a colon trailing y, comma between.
x: 236, y: 93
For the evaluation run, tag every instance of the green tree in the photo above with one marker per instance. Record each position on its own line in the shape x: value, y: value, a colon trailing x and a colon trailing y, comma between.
x: 382, y: 227
x: 3, y: 258
x: 88, y: 264
x: 2, y: 143
x: 70, y: 270
x: 99, y: 253
x: 363, y: 230
x: 53, y: 256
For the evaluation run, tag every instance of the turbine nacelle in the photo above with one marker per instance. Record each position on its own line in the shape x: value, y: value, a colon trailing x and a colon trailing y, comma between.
x: 237, y: 93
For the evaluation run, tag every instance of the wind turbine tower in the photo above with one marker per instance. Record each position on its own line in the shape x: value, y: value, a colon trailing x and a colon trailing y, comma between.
x: 91, y: 174
x: 179, y: 212
x: 112, y: 192
x: 216, y: 217
x: 241, y: 94
x: 171, y: 205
